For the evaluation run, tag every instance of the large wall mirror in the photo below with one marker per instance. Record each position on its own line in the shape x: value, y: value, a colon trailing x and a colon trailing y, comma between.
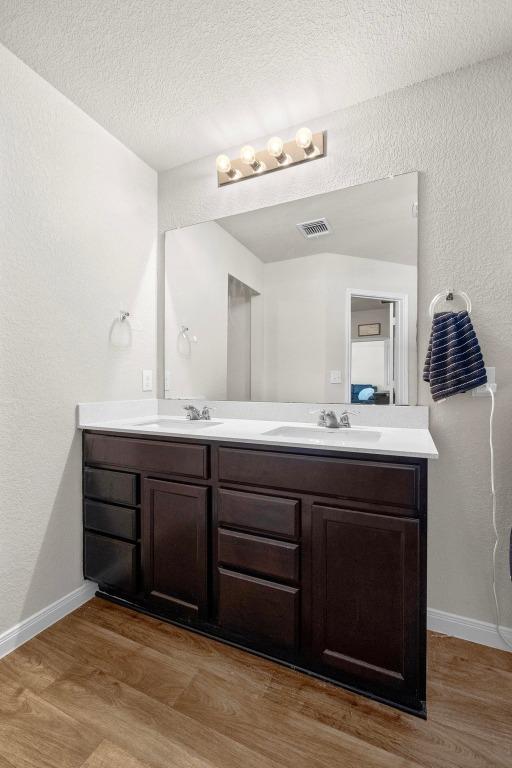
x: 308, y: 301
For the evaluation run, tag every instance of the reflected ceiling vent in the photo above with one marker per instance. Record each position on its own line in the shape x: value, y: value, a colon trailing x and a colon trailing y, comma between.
x: 315, y: 228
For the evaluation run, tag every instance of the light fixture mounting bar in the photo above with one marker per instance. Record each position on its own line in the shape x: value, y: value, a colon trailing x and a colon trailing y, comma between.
x: 292, y: 154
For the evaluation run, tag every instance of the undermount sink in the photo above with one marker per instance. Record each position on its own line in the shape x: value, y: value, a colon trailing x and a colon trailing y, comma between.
x: 323, y: 434
x: 188, y: 425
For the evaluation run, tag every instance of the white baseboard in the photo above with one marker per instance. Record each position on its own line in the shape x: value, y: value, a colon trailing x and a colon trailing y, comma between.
x: 481, y: 632
x: 475, y: 631
x: 29, y: 628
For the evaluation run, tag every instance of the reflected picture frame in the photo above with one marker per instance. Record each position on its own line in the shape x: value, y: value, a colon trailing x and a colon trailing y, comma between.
x: 368, y: 329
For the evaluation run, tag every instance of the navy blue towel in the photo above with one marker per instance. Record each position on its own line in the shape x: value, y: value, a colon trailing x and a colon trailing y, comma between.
x: 454, y: 360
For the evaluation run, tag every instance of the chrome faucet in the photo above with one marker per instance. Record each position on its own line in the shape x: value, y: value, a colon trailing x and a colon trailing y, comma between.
x: 194, y: 414
x: 332, y: 421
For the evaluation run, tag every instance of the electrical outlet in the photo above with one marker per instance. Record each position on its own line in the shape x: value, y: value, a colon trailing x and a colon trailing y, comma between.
x: 147, y: 380
x: 335, y: 377
x: 483, y: 391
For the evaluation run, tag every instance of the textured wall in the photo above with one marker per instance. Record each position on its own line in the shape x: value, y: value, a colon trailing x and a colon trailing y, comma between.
x: 78, y: 218
x: 456, y: 130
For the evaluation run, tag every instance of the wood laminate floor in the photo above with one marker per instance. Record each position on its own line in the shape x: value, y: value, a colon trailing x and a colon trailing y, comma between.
x: 110, y: 688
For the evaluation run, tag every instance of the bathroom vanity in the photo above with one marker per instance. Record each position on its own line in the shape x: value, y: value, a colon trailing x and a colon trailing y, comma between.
x: 312, y: 556
x: 301, y: 542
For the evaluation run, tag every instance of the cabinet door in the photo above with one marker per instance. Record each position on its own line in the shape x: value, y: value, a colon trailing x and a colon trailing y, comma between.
x: 366, y: 601
x: 174, y: 545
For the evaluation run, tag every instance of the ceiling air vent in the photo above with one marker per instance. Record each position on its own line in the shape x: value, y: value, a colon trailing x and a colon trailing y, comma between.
x: 315, y: 228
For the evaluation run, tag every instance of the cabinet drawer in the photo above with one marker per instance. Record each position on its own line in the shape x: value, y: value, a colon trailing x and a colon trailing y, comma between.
x: 185, y: 459
x: 275, y: 559
x: 115, y: 521
x: 380, y: 483
x: 265, y: 514
x: 260, y: 610
x: 110, y: 562
x: 120, y: 487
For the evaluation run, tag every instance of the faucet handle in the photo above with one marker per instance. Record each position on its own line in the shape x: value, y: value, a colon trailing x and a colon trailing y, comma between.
x: 344, y: 420
x: 206, y: 412
x: 321, y: 418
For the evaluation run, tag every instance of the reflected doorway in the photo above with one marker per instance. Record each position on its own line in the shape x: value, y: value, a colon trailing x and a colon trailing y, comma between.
x: 377, y: 349
x: 239, y: 340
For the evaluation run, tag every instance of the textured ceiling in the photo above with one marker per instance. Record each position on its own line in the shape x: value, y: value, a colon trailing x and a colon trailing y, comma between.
x: 179, y: 80
x: 373, y: 221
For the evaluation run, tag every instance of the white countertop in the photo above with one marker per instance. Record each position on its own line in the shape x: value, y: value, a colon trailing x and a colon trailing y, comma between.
x: 392, y: 441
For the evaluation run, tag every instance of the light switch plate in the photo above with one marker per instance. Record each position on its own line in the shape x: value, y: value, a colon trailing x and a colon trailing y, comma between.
x: 167, y: 381
x: 335, y: 377
x: 147, y: 380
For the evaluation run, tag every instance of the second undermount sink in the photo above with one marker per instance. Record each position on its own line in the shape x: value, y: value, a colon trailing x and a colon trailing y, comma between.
x: 340, y: 436
x: 187, y: 425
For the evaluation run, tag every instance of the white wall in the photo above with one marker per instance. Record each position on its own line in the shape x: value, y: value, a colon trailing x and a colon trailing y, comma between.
x: 305, y: 318
x: 455, y: 129
x: 370, y: 364
x: 77, y: 240
x: 198, y: 262
x: 295, y: 329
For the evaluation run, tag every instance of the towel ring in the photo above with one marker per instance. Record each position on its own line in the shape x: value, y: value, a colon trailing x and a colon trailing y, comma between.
x: 448, y: 295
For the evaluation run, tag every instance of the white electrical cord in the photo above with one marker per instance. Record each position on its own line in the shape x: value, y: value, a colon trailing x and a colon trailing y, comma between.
x: 494, y: 523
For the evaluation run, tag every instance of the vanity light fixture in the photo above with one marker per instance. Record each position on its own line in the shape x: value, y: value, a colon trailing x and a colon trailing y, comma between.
x: 277, y: 155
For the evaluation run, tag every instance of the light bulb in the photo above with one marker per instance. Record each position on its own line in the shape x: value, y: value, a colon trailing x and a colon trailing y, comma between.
x: 223, y: 164
x: 248, y: 157
x: 304, y: 140
x: 275, y: 146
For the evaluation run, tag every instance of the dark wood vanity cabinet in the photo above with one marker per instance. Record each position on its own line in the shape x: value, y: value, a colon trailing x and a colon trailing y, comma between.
x: 315, y: 559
